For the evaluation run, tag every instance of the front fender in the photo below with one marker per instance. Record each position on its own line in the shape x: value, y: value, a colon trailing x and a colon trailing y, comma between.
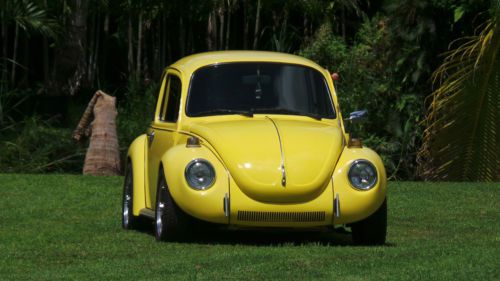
x: 207, y: 204
x: 355, y: 204
x: 136, y: 157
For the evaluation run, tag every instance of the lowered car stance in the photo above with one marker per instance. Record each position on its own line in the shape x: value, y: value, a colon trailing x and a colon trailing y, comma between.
x: 251, y: 139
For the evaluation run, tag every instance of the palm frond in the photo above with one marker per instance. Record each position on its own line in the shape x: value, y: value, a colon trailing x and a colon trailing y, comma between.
x: 30, y: 17
x: 461, y: 139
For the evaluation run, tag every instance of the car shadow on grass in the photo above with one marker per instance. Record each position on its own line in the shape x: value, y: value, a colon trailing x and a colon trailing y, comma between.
x: 275, y: 237
x: 209, y: 234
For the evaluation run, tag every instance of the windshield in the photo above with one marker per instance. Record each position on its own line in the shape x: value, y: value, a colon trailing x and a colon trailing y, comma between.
x: 248, y: 88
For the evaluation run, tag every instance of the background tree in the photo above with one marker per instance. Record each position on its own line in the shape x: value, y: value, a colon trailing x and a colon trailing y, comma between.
x: 70, y: 64
x: 56, y: 54
x: 461, y: 141
x: 30, y: 18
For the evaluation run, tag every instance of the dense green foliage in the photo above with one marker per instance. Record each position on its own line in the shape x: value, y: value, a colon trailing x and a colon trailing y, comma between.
x: 39, y: 147
x: 467, y: 99
x: 135, y: 115
x: 71, y: 230
x: 367, y: 82
x: 55, y: 54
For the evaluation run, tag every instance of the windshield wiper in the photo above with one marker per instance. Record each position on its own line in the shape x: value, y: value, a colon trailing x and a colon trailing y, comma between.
x: 279, y: 110
x: 223, y: 112
x: 251, y: 112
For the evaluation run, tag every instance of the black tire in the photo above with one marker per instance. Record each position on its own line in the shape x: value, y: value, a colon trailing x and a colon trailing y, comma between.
x: 129, y: 221
x: 373, y: 229
x: 170, y: 221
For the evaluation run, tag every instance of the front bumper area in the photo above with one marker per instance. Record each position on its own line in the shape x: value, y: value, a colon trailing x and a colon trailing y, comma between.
x: 225, y: 203
x: 245, y: 211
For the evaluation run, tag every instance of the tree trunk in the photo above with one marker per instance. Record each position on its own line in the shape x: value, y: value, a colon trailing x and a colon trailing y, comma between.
x: 343, y: 23
x: 14, y: 56
x: 182, y: 37
x: 139, y: 47
x: 246, y: 24
x: 5, y: 40
x: 70, y: 58
x: 91, y: 43
x: 103, y: 156
x: 5, y: 31
x: 210, y: 32
x: 45, y: 61
x: 81, y: 130
x: 149, y: 51
x: 96, y: 52
x: 228, y: 26
x: 26, y: 60
x: 221, y: 24
x: 105, y: 49
x: 157, y: 44
x: 130, y: 55
x: 305, y: 26
x: 4, y: 76
x: 256, y: 33
x: 169, y: 51
x: 163, y: 38
x: 190, y: 35
x: 45, y: 54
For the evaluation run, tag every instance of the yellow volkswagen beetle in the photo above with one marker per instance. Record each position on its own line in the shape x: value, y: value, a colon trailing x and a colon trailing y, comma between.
x: 252, y: 139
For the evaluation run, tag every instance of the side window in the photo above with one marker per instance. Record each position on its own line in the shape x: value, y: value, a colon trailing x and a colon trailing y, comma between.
x: 171, y: 100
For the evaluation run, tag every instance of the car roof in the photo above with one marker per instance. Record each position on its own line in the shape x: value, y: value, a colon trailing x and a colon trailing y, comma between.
x: 193, y: 62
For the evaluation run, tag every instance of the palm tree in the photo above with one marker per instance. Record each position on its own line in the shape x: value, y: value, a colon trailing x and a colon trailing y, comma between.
x: 29, y: 17
x: 461, y: 141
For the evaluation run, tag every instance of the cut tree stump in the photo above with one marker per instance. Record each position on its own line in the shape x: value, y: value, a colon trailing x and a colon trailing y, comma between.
x: 103, y: 155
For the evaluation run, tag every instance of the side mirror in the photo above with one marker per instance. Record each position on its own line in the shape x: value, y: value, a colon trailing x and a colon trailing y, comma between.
x: 357, y: 116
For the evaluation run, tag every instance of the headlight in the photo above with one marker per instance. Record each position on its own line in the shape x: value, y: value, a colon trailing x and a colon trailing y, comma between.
x: 200, y: 174
x: 362, y: 175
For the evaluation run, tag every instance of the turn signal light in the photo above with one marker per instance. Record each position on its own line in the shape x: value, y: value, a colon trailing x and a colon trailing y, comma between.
x: 193, y: 142
x: 335, y: 76
x: 354, y: 142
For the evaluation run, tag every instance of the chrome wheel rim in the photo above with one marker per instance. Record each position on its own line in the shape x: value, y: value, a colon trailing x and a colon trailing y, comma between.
x: 126, y: 206
x: 127, y: 200
x: 160, y: 209
x: 159, y: 222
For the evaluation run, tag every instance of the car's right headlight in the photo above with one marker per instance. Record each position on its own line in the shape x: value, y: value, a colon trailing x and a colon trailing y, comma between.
x: 362, y: 175
x: 200, y: 174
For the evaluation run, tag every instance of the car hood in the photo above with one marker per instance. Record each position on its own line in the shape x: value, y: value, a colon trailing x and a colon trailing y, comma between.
x: 275, y: 160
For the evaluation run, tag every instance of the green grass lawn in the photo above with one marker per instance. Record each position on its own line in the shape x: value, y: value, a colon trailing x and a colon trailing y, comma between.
x: 65, y: 227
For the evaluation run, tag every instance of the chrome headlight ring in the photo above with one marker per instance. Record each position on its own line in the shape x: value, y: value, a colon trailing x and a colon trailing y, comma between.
x: 362, y: 175
x: 199, y: 174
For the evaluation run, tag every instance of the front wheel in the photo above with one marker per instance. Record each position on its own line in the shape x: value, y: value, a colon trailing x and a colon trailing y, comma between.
x: 129, y: 221
x: 373, y: 229
x: 170, y: 220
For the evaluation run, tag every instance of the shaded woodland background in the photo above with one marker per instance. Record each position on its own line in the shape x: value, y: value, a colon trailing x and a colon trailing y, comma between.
x: 56, y: 54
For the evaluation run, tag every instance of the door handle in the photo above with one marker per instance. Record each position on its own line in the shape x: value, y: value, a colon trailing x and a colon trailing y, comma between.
x: 151, y: 137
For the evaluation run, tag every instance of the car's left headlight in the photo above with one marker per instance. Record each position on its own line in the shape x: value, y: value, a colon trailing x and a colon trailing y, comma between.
x: 362, y: 175
x: 200, y: 174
